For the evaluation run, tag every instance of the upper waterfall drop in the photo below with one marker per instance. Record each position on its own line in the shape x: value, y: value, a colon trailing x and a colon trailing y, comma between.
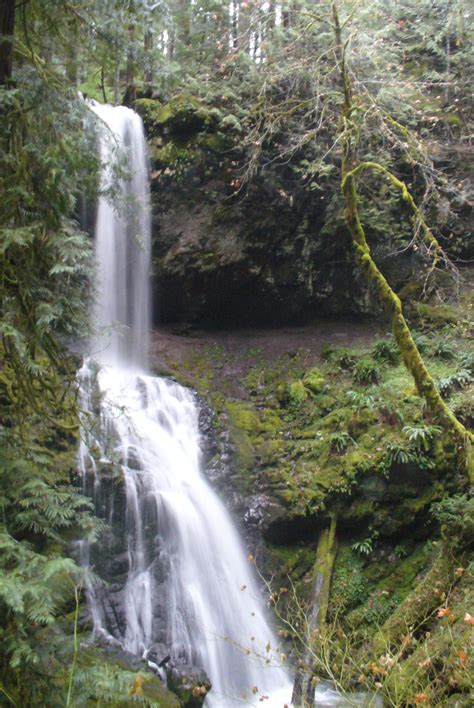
x: 187, y: 582
x: 122, y: 240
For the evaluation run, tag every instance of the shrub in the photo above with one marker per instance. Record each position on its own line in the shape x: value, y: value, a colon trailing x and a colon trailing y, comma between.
x: 444, y: 350
x: 366, y: 371
x: 387, y: 351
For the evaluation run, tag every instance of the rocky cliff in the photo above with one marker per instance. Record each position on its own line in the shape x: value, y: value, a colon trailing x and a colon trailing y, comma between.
x: 231, y: 251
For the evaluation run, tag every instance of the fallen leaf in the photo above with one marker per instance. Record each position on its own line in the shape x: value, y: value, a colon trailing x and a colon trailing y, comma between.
x: 136, y: 687
x: 426, y: 664
x: 462, y: 657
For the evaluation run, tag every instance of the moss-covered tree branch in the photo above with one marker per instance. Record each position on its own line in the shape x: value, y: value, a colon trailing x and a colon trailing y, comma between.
x: 411, y: 356
x: 417, y: 217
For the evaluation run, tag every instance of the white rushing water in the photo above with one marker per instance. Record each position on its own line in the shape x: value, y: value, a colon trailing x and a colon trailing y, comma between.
x: 122, y: 241
x: 215, y: 615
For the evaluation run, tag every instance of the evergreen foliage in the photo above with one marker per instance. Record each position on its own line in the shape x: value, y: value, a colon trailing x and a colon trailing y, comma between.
x: 47, y: 164
x: 45, y: 260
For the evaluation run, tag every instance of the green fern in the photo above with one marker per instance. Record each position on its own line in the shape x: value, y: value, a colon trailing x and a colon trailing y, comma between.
x: 386, y: 351
x: 444, y: 350
x: 456, y: 381
x: 398, y: 453
x: 364, y: 547
x: 366, y: 371
x: 422, y: 436
x: 341, y: 441
x: 361, y: 400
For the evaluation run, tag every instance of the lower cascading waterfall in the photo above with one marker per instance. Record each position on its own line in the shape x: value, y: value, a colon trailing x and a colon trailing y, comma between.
x: 182, y: 549
x: 216, y: 615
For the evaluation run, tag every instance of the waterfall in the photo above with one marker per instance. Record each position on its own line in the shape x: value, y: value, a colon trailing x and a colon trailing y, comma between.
x: 182, y: 551
x: 122, y: 241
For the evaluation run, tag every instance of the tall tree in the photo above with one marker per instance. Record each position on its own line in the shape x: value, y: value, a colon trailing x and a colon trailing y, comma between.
x: 7, y: 28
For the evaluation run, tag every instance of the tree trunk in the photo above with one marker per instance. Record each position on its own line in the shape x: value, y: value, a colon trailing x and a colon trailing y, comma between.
x: 243, y: 39
x: 71, y: 54
x: 420, y: 604
x: 184, y: 22
x: 148, y: 70
x: 7, y: 29
x: 130, y: 91
x: 234, y: 25
x: 271, y: 15
x: 117, y: 80
x: 318, y: 609
x: 171, y: 44
x: 286, y: 14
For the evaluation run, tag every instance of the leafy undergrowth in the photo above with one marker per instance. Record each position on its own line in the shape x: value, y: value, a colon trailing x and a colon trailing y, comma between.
x: 348, y: 433
x: 428, y: 659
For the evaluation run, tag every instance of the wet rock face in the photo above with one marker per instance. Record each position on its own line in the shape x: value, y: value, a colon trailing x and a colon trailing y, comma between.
x: 109, y: 557
x: 231, y: 254
x: 259, y: 516
x: 270, y: 251
x: 260, y: 263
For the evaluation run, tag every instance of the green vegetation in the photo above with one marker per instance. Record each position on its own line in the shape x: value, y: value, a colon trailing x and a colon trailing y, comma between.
x: 350, y: 123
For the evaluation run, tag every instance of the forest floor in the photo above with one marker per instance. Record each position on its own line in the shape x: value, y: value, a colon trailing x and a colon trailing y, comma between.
x: 174, y: 346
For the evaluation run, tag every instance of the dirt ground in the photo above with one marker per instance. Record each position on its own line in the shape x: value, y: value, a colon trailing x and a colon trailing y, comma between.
x: 174, y: 349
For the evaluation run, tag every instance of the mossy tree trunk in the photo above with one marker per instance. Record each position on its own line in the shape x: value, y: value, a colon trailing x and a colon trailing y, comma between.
x: 318, y: 609
x: 411, y: 356
x: 148, y: 52
x: 420, y: 603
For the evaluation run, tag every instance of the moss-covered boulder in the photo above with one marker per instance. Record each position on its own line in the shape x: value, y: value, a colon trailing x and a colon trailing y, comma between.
x: 190, y: 685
